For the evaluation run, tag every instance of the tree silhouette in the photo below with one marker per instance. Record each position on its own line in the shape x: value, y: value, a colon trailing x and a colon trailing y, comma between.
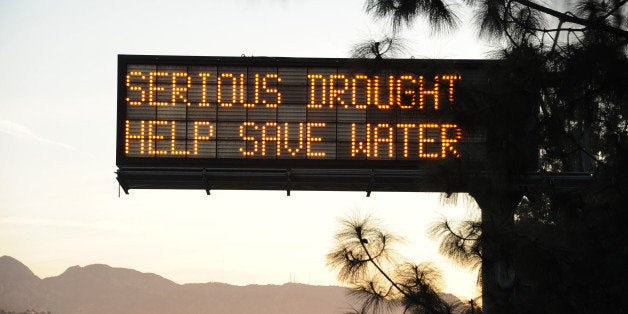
x: 559, y: 99
x: 366, y: 260
x: 460, y: 242
x: 386, y: 47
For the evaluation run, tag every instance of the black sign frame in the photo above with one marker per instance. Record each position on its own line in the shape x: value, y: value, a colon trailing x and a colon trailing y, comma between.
x: 224, y: 173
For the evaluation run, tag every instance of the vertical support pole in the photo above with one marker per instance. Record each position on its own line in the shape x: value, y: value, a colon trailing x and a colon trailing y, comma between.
x: 371, y: 182
x: 288, y: 181
x: 498, y: 272
x: 206, y: 182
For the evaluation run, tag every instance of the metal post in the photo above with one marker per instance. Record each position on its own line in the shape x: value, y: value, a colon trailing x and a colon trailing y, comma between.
x: 498, y: 273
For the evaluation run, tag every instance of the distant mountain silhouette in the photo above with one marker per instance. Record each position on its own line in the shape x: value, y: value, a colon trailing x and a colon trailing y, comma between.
x: 20, y: 289
x: 12, y: 270
x: 103, y: 289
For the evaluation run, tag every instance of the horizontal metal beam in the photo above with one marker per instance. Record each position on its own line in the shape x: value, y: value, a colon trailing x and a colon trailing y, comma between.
x: 369, y: 180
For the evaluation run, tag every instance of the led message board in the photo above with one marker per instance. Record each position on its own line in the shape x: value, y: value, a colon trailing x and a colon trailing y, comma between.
x: 230, y: 117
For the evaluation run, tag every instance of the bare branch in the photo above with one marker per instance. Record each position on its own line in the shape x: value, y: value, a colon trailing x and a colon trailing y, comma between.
x: 613, y: 10
x: 576, y: 20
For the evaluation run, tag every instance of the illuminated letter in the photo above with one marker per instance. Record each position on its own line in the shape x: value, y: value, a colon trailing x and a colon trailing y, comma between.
x: 177, y: 91
x: 152, y: 124
x: 388, y: 140
x: 333, y: 92
x: 234, y: 87
x: 401, y: 92
x: 311, y: 139
x: 198, y: 137
x: 153, y: 89
x: 128, y: 137
x: 451, y: 79
x: 135, y: 88
x: 292, y: 151
x: 446, y: 141
x: 313, y: 78
x: 271, y: 90
x: 362, y: 147
x: 276, y: 138
x: 405, y: 127
x: 354, y: 87
x: 423, y: 92
x: 203, y: 102
x: 173, y: 141
x: 424, y: 139
x: 248, y: 138
x: 391, y: 93
x: 255, y: 92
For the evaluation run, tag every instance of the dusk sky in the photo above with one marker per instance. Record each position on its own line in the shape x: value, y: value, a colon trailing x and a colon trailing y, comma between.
x: 59, y: 203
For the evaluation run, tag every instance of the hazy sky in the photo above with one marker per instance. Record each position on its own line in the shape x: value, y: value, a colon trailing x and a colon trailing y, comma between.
x: 59, y: 203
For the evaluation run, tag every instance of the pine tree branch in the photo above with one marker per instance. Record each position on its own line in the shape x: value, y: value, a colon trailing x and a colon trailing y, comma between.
x: 460, y: 237
x: 558, y: 30
x: 573, y: 19
x: 372, y: 260
x: 609, y: 13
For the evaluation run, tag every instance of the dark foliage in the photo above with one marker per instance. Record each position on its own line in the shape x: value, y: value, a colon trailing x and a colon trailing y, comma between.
x: 560, y: 96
